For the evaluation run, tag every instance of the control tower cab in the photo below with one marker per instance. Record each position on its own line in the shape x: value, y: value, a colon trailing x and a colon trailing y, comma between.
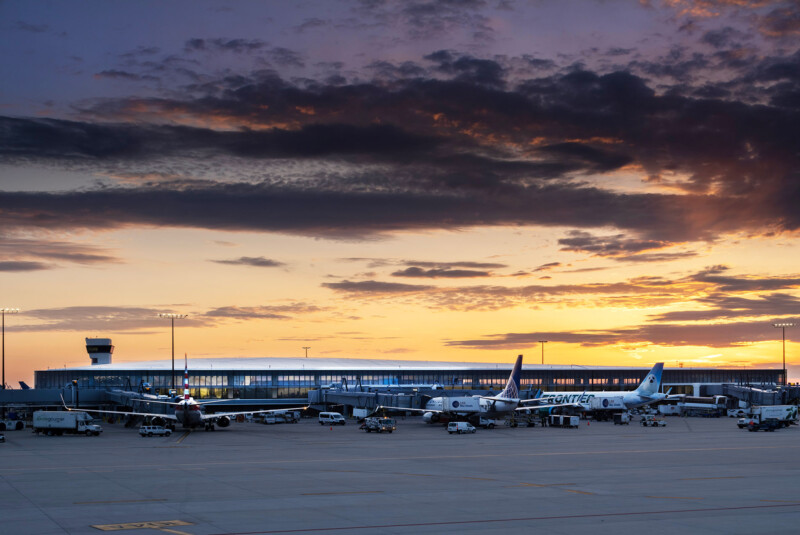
x: 100, y: 350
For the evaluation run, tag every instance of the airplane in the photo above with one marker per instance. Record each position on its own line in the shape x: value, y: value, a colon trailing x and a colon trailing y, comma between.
x: 504, y: 404
x: 188, y: 412
x: 645, y: 394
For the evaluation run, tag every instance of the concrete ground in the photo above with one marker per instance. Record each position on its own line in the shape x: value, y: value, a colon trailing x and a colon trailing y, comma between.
x: 699, y: 476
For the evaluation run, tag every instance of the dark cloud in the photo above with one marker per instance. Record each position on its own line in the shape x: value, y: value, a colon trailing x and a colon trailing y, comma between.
x: 729, y: 283
x: 374, y: 287
x: 619, y: 244
x: 722, y: 306
x: 449, y: 265
x: 467, y: 69
x: 257, y: 261
x: 473, y: 142
x: 123, y: 75
x: 548, y: 266
x: 655, y: 258
x: 53, y: 251
x: 670, y: 335
x: 782, y: 22
x: 264, y: 312
x: 439, y: 273
x: 32, y: 28
x: 21, y: 265
x: 236, y: 46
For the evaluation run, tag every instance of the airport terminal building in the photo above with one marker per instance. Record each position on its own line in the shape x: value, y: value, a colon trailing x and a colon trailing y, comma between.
x: 293, y: 378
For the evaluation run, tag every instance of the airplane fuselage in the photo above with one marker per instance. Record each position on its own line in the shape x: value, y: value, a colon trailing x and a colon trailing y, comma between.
x: 629, y: 399
x: 188, y: 413
x: 472, y: 406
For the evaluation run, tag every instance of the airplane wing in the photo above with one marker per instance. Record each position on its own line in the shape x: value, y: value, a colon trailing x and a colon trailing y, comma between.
x: 381, y: 407
x: 214, y: 415
x: 124, y: 413
x: 537, y: 407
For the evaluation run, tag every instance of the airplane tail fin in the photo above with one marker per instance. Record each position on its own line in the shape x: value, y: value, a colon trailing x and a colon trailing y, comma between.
x: 652, y: 381
x: 186, y: 377
x: 511, y: 391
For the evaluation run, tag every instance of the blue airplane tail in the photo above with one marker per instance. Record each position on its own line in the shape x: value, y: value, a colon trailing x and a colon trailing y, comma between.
x: 23, y: 386
x: 652, y: 381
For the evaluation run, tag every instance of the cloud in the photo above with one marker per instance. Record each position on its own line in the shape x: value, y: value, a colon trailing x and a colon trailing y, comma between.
x: 374, y: 287
x: 236, y: 46
x: 50, y: 250
x: 263, y: 312
x: 670, y: 335
x: 19, y: 266
x: 723, y: 306
x: 478, y: 139
x: 258, y: 261
x: 440, y: 273
x: 98, y: 319
x: 619, y: 244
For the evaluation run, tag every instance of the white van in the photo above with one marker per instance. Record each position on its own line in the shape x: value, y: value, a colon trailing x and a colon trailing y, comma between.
x: 331, y: 418
x: 460, y: 427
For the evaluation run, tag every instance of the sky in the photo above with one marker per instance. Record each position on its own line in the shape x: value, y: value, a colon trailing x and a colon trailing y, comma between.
x: 453, y: 180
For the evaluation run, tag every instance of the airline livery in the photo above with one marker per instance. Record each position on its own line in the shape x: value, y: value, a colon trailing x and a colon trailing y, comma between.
x: 646, y: 393
x: 189, y: 412
x: 502, y: 405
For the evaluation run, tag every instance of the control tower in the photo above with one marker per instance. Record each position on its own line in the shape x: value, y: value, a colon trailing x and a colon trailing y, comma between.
x: 100, y: 350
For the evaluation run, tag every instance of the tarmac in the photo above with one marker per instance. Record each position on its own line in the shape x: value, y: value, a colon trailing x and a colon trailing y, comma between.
x: 696, y: 475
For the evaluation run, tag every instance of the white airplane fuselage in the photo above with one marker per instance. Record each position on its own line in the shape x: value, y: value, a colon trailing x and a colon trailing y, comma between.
x: 468, y: 406
x: 630, y: 400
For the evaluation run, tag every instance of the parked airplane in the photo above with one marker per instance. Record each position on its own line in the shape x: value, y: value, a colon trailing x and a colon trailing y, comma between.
x: 504, y: 404
x: 646, y: 393
x: 188, y: 412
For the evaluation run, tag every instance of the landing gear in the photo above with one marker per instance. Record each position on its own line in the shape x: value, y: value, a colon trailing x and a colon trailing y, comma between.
x: 209, y: 427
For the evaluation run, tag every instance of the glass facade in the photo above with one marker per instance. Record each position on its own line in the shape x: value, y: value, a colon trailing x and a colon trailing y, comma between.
x: 277, y: 384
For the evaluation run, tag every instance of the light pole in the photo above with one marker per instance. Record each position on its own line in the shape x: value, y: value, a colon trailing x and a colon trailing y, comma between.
x: 543, y: 342
x: 306, y: 348
x: 172, y: 318
x: 782, y: 327
x: 5, y: 311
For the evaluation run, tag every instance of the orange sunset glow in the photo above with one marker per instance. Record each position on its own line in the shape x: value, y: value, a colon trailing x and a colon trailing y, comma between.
x: 409, y: 181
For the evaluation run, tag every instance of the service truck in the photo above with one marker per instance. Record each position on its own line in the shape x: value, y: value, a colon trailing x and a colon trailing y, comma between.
x: 785, y: 414
x: 603, y: 409
x: 61, y: 422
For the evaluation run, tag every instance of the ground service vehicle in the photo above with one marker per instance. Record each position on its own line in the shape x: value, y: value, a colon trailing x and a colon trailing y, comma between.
x: 487, y: 423
x: 744, y: 422
x: 785, y: 414
x: 622, y: 418
x: 11, y: 425
x: 767, y: 424
x: 648, y: 420
x: 332, y: 418
x: 379, y: 425
x: 2, y: 437
x: 563, y: 420
x: 154, y: 430
x: 61, y: 422
x: 460, y: 427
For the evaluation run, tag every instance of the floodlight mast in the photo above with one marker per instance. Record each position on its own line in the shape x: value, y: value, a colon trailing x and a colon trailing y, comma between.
x: 543, y: 342
x: 172, y: 318
x: 782, y: 327
x: 5, y: 311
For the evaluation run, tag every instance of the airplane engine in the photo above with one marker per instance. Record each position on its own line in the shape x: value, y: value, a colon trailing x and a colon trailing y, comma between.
x: 223, y: 421
x: 159, y: 421
x: 430, y: 417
